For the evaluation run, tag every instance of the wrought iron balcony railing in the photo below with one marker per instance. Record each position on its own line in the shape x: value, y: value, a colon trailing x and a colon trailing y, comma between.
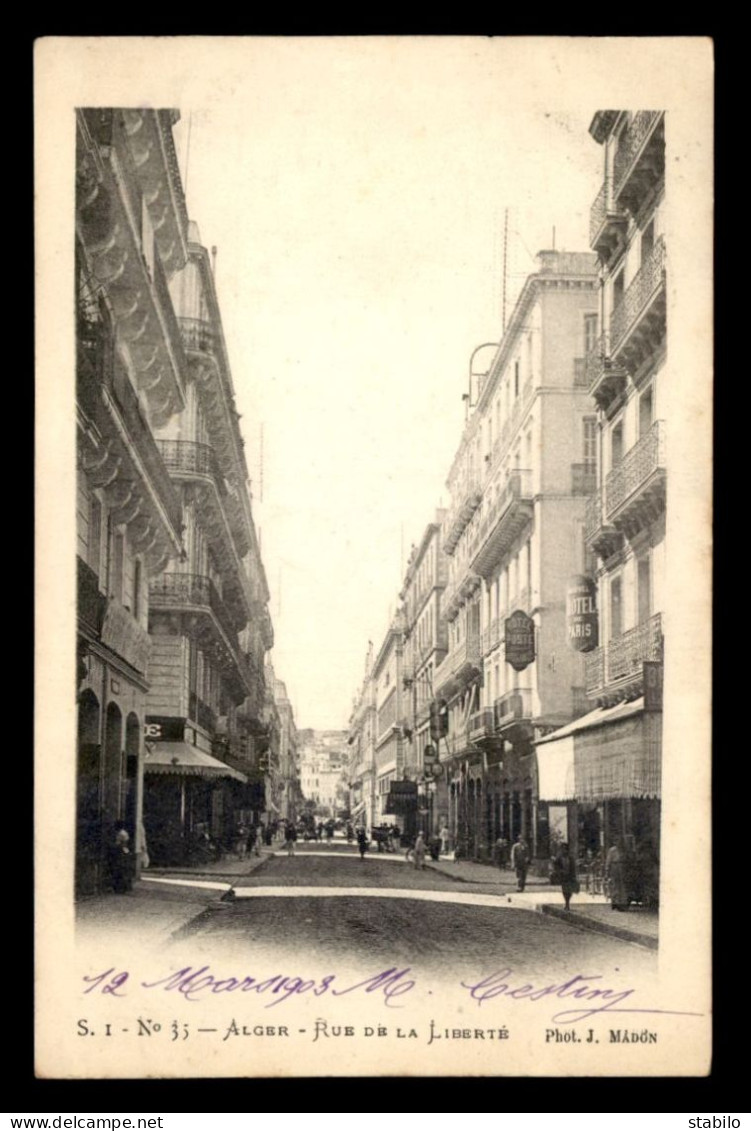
x: 631, y: 142
x: 500, y: 523
x: 594, y: 669
x: 197, y: 335
x: 644, y: 284
x: 626, y: 653
x: 636, y: 468
x: 191, y: 590
x: 187, y: 456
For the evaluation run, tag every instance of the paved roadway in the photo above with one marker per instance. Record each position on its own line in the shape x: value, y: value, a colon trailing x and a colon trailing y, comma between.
x: 326, y: 902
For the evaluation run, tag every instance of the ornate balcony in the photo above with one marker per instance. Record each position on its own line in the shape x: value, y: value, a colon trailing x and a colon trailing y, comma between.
x: 460, y: 664
x: 512, y: 715
x: 196, y: 595
x: 637, y: 323
x: 619, y: 664
x: 461, y: 515
x: 124, y: 262
x: 604, y: 538
x: 204, y: 347
x: 119, y: 453
x: 482, y: 725
x: 608, y: 222
x: 605, y: 379
x: 505, y: 520
x: 191, y: 462
x: 635, y: 489
x: 640, y: 159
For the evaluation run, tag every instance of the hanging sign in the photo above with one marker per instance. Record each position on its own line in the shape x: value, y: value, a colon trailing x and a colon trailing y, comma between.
x: 581, y: 614
x: 519, y: 640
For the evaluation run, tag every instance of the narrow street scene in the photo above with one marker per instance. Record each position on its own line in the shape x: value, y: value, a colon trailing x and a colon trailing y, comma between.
x: 373, y: 544
x: 503, y: 736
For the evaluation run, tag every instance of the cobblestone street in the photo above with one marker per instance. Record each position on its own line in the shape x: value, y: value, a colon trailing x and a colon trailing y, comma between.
x: 388, y: 912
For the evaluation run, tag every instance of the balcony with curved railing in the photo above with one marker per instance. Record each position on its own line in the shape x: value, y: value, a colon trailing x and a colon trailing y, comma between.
x: 640, y: 159
x: 190, y: 461
x: 635, y: 489
x: 607, y: 222
x: 638, y: 322
x: 603, y: 537
x: 196, y: 593
x: 620, y: 662
x: 504, y: 521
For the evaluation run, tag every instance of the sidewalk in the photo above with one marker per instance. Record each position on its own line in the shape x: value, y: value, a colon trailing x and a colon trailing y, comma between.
x: 158, y: 910
x: 591, y: 912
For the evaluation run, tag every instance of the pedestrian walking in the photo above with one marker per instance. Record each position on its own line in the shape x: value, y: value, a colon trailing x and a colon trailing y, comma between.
x: 563, y: 872
x: 241, y: 841
x: 520, y: 861
x: 362, y: 843
x: 444, y: 835
x: 290, y: 837
x: 418, y: 852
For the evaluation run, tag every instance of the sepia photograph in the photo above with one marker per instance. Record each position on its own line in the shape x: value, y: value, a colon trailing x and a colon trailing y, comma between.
x: 374, y: 536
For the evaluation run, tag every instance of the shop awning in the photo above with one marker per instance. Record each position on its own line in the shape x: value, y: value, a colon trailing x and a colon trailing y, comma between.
x: 615, y: 752
x: 358, y: 809
x: 601, y: 716
x: 183, y: 760
x: 555, y: 768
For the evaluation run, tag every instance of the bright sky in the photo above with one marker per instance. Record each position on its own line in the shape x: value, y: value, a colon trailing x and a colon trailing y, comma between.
x: 356, y: 190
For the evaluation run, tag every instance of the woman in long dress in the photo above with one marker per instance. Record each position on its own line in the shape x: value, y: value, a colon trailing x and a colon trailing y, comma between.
x: 565, y: 869
x: 616, y: 864
x: 418, y: 853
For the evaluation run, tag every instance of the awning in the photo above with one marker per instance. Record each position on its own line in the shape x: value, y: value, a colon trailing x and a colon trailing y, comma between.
x: 614, y: 752
x: 601, y: 716
x: 358, y: 809
x: 181, y: 759
x: 555, y: 768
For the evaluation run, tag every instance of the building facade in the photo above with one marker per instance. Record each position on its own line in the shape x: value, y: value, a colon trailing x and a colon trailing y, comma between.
x: 324, y: 761
x: 361, y: 744
x: 514, y: 534
x: 208, y: 620
x: 425, y: 643
x: 131, y: 238
x: 614, y: 755
x: 393, y: 756
x: 289, y: 754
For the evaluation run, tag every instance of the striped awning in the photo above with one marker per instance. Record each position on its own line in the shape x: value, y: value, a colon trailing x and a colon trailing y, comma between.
x: 608, y: 754
x: 183, y: 760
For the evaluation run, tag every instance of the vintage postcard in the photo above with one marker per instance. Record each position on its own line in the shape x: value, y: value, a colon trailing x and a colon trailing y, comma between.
x: 374, y: 556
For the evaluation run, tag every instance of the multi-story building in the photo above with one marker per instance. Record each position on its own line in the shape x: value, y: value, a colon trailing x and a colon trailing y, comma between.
x: 208, y: 614
x: 272, y: 746
x: 514, y: 533
x: 615, y: 752
x: 393, y: 755
x: 289, y: 758
x: 131, y: 239
x: 361, y: 743
x: 324, y: 760
x: 424, y: 649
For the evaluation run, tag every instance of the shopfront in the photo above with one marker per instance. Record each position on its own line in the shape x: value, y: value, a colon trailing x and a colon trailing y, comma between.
x: 600, y: 779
